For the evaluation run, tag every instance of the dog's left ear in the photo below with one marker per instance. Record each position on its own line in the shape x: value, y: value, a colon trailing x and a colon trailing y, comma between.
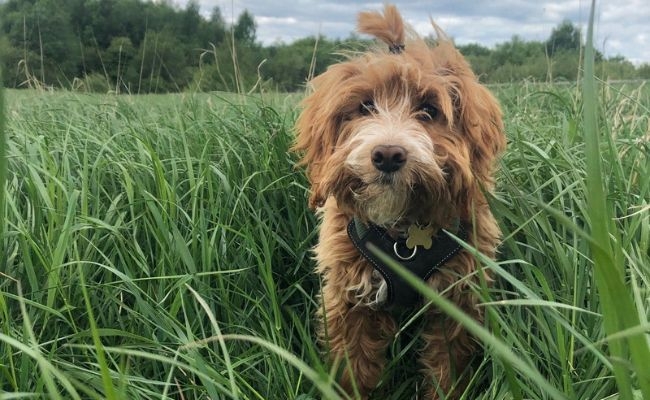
x: 318, y: 125
x: 480, y: 118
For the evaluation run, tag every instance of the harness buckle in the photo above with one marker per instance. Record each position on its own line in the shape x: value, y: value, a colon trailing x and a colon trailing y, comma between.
x: 401, y: 257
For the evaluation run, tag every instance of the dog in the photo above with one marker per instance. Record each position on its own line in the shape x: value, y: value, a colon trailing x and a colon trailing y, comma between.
x: 399, y: 145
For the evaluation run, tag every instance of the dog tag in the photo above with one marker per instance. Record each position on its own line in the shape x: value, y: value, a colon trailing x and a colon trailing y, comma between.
x: 418, y: 236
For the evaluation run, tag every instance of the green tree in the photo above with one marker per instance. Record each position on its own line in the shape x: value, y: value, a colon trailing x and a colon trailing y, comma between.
x: 564, y: 37
x: 190, y: 21
x: 290, y: 65
x: 617, y: 68
x: 119, y: 56
x: 643, y: 71
x: 41, y: 32
x: 474, y: 50
x: 141, y: 46
x: 245, y: 29
x: 516, y: 51
x: 216, y: 32
x: 479, y: 58
x: 162, y: 64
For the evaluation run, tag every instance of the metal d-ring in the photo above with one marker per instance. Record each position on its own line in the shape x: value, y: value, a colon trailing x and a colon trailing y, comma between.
x: 415, y: 250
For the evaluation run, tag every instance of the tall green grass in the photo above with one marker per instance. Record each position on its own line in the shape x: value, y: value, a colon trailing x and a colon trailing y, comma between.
x: 137, y: 229
x: 158, y: 247
x: 608, y: 252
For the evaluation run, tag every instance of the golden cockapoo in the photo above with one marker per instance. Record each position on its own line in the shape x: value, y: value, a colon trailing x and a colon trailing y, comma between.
x: 399, y: 147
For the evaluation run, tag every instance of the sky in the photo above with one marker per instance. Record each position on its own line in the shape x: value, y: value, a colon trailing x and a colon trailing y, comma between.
x: 622, y: 26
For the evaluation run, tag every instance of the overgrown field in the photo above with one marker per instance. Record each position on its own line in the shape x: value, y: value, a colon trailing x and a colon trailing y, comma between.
x: 158, y: 247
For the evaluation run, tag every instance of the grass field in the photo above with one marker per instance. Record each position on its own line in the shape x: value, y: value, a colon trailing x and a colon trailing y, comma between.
x: 158, y: 247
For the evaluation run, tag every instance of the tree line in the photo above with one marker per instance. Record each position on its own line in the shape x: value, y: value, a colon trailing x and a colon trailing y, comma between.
x: 135, y: 46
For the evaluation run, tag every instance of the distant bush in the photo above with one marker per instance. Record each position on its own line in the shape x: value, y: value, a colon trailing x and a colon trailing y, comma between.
x: 96, y: 83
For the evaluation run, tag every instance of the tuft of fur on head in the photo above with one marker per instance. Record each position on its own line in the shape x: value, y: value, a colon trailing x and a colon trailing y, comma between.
x: 388, y: 27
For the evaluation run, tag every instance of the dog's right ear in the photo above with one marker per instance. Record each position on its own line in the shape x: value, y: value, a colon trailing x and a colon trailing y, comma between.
x: 318, y: 126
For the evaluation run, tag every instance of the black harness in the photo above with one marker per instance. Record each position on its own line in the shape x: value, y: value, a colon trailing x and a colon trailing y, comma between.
x: 419, y: 260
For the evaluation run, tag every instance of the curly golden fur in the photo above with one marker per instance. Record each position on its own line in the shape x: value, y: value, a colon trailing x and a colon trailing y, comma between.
x: 421, y: 110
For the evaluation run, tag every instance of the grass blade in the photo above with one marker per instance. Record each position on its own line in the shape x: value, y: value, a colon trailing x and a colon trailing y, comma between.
x: 3, y: 176
x: 619, y: 312
x: 99, y: 347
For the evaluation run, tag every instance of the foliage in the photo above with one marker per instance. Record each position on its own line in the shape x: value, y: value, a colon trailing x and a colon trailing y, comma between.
x: 154, y: 47
x: 566, y: 37
x: 158, y: 247
x: 244, y: 30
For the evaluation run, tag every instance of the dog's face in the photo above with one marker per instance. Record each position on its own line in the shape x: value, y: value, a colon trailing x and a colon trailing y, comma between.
x: 400, y: 138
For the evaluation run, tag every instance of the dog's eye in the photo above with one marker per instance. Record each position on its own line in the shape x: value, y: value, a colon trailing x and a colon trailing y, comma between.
x: 427, y: 112
x: 367, y: 108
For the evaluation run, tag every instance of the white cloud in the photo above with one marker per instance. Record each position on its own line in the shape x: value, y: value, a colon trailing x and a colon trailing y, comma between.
x: 261, y: 21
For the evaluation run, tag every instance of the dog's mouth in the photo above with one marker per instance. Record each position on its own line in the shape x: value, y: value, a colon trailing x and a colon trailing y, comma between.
x: 386, y: 179
x: 391, y: 199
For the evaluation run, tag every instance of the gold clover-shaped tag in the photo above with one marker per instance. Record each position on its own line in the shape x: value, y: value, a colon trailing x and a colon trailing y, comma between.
x: 419, y: 236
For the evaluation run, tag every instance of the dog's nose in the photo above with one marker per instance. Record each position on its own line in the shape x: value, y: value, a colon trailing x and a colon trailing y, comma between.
x: 388, y: 158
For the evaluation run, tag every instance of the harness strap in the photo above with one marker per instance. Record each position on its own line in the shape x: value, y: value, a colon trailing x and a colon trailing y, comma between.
x: 420, y: 261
